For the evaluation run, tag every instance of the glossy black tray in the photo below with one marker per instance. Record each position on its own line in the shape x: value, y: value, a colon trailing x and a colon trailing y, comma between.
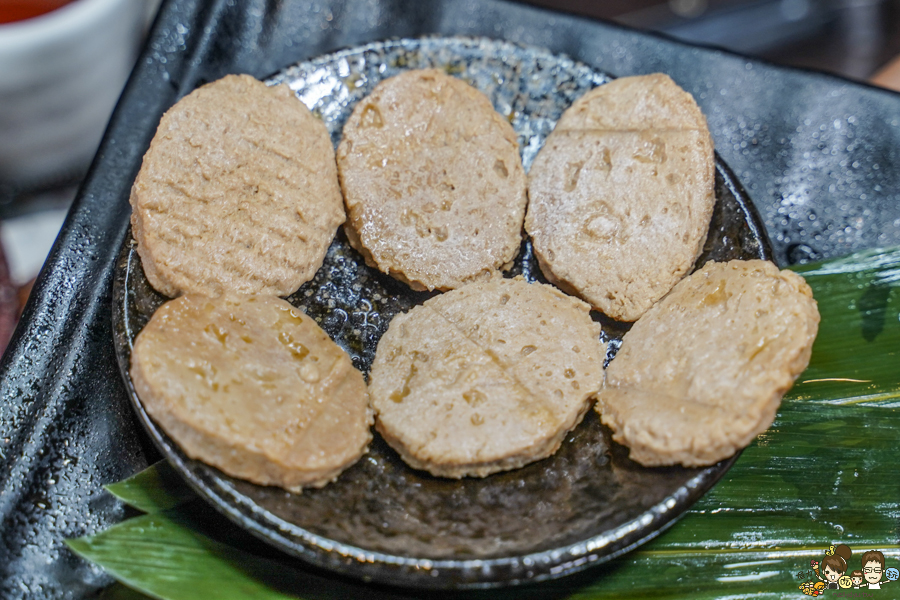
x: 381, y: 520
x: 814, y: 152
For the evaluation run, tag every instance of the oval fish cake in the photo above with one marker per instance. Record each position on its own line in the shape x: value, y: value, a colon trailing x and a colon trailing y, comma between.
x: 702, y: 372
x: 432, y: 180
x: 621, y: 194
x: 237, y: 193
x: 485, y: 378
x: 253, y: 387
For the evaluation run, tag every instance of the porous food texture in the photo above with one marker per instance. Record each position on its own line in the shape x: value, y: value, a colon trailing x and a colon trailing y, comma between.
x: 621, y: 194
x: 702, y: 373
x: 238, y: 193
x: 254, y: 387
x: 432, y: 180
x: 485, y: 378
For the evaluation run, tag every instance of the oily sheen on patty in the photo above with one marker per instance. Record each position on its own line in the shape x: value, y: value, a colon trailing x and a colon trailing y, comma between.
x: 702, y: 373
x: 621, y: 194
x: 486, y: 378
x: 432, y: 180
x: 237, y: 193
x: 253, y: 387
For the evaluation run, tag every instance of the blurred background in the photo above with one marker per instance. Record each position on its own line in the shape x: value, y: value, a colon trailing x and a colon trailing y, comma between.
x: 63, y: 64
x: 853, y: 38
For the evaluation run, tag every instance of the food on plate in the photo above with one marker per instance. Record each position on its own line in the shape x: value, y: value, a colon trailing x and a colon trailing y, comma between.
x: 491, y: 375
x: 432, y: 181
x: 254, y: 387
x: 237, y: 193
x: 621, y: 194
x: 703, y: 371
x: 485, y: 378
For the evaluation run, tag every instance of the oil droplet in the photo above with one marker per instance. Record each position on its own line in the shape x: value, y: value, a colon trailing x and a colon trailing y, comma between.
x: 605, y: 161
x: 219, y: 333
x: 371, y: 117
x: 717, y: 296
x: 398, y: 396
x: 474, y: 397
x: 309, y: 373
x: 573, y: 171
x: 297, y: 350
x: 292, y: 314
x: 652, y: 151
x: 569, y: 373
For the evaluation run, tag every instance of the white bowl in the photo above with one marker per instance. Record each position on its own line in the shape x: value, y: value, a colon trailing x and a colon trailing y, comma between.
x: 60, y: 76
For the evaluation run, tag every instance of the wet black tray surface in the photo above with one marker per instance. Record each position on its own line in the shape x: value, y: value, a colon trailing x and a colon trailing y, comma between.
x: 381, y: 520
x: 814, y: 152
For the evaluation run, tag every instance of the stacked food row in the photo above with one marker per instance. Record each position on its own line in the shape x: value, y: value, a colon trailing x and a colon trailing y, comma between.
x: 240, y: 196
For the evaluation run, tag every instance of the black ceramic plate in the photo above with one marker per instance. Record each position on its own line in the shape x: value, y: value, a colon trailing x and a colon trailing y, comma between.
x: 381, y: 520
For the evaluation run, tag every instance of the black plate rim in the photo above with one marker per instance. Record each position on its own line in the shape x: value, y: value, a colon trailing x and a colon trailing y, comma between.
x: 411, y: 572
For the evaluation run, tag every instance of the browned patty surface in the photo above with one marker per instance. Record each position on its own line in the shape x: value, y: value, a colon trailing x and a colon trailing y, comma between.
x: 253, y: 387
x: 702, y: 372
x: 485, y: 378
x: 237, y: 193
x: 621, y: 194
x: 432, y: 180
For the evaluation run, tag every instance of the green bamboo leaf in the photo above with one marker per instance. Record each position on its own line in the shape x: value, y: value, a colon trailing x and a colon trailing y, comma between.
x: 156, y: 488
x: 163, y: 555
x: 823, y: 474
x: 856, y: 357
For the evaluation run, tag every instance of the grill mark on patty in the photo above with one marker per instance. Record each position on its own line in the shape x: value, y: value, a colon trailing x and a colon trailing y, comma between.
x: 495, y: 360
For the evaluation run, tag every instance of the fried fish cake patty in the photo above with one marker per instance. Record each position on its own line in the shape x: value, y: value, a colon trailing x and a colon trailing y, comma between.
x: 253, y: 387
x: 432, y: 180
x: 486, y: 378
x: 702, y: 372
x: 621, y: 194
x: 237, y: 193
